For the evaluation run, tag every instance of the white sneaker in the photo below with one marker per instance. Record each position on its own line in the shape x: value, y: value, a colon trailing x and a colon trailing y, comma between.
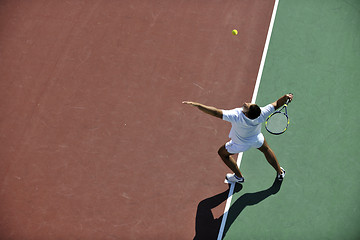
x: 232, y: 178
x: 280, y: 177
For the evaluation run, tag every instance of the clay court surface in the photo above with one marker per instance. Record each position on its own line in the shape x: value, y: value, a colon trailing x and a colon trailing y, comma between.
x: 95, y: 143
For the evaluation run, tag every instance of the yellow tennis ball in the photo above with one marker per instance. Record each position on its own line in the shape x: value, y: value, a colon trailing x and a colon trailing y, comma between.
x: 234, y: 32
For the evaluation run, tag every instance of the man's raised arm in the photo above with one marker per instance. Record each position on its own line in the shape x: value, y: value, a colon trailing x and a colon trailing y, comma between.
x: 206, y: 109
x: 281, y: 101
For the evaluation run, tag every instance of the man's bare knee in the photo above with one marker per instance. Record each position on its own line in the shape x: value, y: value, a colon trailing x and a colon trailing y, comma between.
x: 265, y: 147
x: 220, y: 151
x: 223, y: 152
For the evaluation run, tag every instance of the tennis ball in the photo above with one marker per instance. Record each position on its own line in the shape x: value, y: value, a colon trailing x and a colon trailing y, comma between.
x: 234, y: 32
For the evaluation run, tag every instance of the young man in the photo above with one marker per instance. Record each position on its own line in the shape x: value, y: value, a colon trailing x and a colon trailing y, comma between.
x: 245, y: 133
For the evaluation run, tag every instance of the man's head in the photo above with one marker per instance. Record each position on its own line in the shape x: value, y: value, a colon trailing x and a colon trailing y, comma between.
x: 252, y: 111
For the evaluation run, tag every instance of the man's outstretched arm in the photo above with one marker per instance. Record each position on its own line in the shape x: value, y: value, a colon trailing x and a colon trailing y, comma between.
x: 281, y: 101
x: 206, y: 109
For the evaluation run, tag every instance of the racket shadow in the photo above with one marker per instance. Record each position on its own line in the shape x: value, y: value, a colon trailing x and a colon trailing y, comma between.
x: 207, y: 227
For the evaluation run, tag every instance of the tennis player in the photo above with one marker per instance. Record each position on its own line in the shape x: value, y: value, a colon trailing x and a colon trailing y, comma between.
x: 245, y: 133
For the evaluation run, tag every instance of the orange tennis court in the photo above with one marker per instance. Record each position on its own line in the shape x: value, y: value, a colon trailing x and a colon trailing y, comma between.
x: 95, y: 143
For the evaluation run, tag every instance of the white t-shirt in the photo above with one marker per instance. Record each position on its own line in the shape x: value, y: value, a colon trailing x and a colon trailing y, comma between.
x: 244, y: 129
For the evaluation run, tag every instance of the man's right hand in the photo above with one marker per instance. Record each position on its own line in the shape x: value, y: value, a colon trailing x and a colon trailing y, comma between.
x: 289, y: 96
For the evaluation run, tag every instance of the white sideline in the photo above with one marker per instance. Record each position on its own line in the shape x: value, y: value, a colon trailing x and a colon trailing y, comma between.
x: 256, y: 89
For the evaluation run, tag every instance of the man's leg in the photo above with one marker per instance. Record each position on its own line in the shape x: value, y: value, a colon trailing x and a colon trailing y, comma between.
x: 229, y: 160
x: 270, y: 157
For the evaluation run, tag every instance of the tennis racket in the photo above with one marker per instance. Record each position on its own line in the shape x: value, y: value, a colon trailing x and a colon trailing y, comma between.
x: 278, y: 122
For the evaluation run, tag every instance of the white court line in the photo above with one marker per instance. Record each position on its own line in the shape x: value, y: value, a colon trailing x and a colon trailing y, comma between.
x: 256, y: 89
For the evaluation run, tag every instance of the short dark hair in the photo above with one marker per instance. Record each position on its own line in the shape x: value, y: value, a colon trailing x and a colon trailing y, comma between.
x: 254, y: 111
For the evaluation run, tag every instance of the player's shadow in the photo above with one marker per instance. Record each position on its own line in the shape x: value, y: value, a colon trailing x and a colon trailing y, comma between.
x: 207, y: 227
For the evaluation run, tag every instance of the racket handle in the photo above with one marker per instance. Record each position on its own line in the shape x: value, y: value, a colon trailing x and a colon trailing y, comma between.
x: 288, y: 100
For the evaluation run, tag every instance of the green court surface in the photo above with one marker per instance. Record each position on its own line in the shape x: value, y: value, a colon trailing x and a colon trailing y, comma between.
x: 314, y: 53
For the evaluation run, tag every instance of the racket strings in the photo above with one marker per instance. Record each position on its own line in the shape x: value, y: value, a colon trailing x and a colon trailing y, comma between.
x: 277, y: 123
